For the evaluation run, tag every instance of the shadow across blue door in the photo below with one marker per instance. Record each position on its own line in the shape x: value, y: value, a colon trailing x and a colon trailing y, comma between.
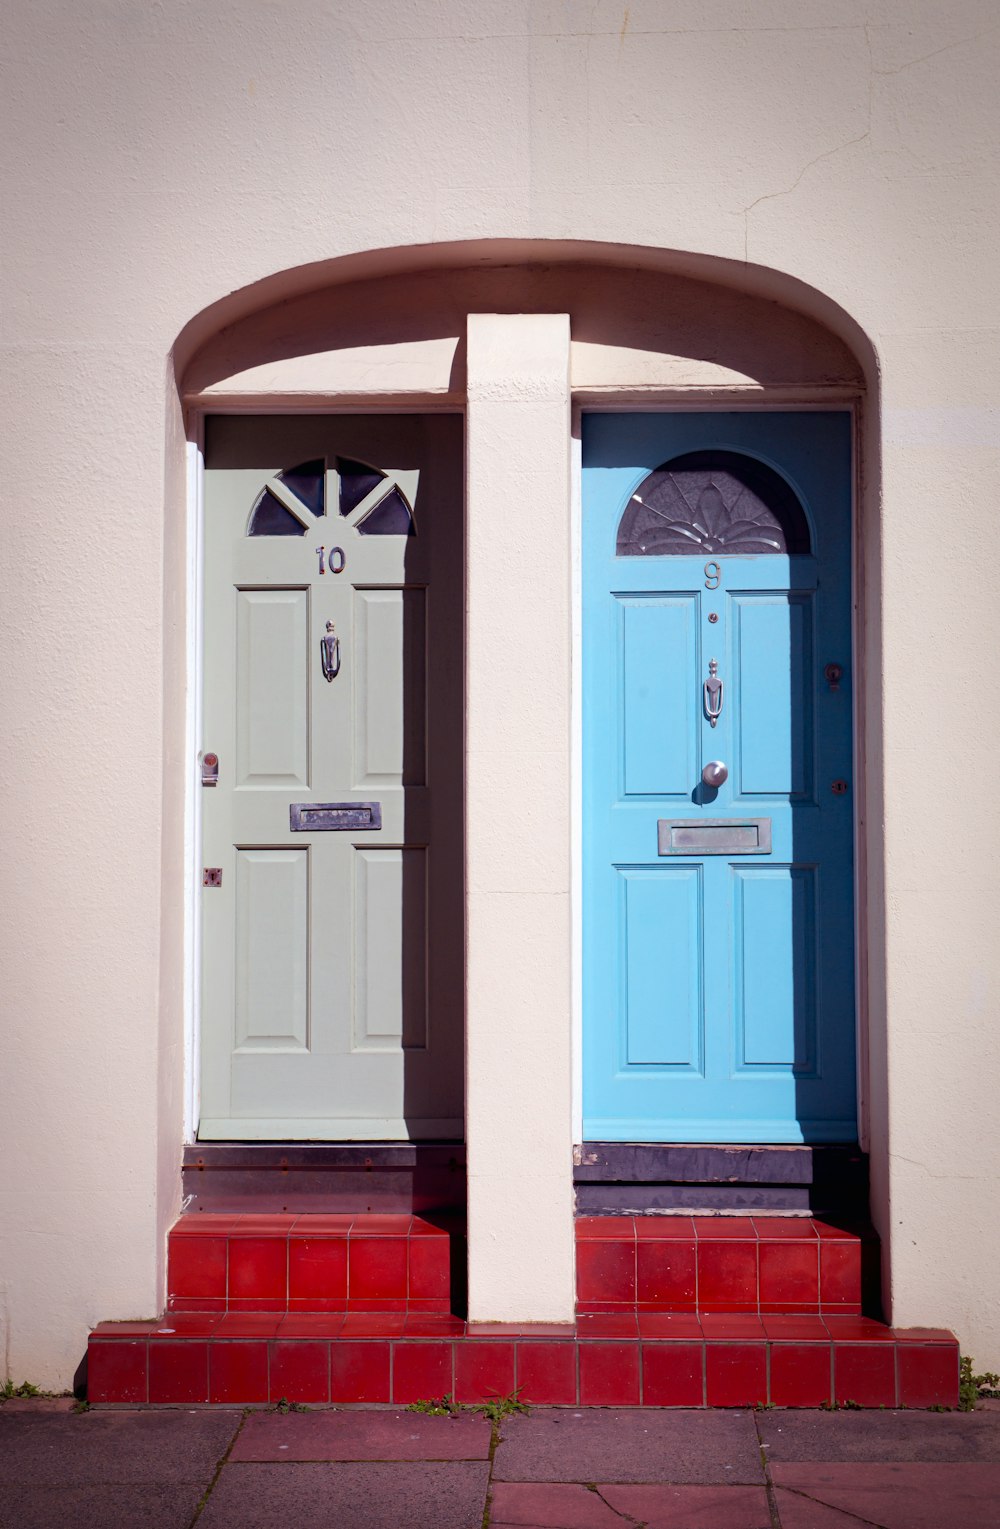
x: 719, y: 988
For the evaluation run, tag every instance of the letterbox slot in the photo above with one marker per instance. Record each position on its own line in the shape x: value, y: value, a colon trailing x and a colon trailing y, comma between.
x: 713, y: 836
x: 334, y: 817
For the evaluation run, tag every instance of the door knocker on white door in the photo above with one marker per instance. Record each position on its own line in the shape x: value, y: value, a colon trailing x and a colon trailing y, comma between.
x: 329, y: 647
x: 714, y: 692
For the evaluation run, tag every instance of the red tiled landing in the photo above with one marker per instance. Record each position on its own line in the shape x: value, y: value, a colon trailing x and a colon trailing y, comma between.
x: 672, y: 1312
x: 758, y: 1264
x: 309, y: 1263
x: 651, y: 1359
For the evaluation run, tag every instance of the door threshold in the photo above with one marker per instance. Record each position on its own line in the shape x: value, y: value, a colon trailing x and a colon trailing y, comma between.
x: 642, y: 1178
x: 328, y: 1177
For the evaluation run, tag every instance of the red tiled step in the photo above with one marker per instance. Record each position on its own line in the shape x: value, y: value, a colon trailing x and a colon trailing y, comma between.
x: 759, y: 1264
x: 308, y: 1263
x: 619, y: 1359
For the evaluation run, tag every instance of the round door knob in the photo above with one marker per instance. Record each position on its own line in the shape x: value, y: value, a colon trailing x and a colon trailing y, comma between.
x: 715, y: 773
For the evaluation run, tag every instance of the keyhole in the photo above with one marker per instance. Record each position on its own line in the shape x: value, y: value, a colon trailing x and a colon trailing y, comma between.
x: 839, y: 787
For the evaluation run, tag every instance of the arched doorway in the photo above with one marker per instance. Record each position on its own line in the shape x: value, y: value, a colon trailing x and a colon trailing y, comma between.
x: 648, y: 330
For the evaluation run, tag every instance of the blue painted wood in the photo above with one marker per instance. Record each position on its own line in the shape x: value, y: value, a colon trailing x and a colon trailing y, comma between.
x: 661, y: 918
x: 718, y: 990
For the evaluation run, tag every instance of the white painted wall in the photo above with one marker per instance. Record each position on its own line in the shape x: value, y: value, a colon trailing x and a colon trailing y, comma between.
x: 158, y: 159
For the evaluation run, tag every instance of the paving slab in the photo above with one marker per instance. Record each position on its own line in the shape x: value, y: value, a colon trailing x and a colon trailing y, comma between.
x: 629, y: 1444
x: 361, y: 1436
x: 113, y: 1448
x: 94, y: 1507
x: 547, y: 1505
x: 354, y: 1496
x: 903, y: 1495
x: 39, y: 1404
x: 796, y: 1512
x: 877, y: 1435
x: 691, y: 1507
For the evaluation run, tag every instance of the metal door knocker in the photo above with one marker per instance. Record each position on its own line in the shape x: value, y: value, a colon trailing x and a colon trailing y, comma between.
x: 329, y: 647
x: 714, y: 693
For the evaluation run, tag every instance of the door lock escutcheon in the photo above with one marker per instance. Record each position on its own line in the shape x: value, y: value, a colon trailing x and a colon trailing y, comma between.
x: 210, y: 769
x: 211, y: 876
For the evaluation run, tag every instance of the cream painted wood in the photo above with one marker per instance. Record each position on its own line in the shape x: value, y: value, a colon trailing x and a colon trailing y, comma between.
x: 519, y: 1079
x: 332, y: 988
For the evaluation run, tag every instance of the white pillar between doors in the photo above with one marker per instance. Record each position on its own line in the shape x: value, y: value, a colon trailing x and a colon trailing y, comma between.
x: 518, y: 1035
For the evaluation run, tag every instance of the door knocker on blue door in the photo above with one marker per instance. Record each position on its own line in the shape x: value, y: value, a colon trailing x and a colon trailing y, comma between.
x: 329, y: 647
x: 714, y: 692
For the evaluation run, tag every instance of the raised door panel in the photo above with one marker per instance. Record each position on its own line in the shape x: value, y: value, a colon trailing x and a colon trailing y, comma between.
x: 272, y: 950
x: 775, y: 963
x: 662, y: 959
x: 390, y: 1001
x: 390, y: 689
x: 658, y: 646
x: 272, y: 688
x: 772, y: 642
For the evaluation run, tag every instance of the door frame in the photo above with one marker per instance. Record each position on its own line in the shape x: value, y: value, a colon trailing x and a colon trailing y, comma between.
x: 711, y: 402
x: 262, y: 404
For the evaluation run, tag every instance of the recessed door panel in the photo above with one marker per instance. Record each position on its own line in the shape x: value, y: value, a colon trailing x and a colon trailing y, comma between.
x: 332, y: 830
x: 661, y: 935
x: 390, y: 688
x: 272, y: 681
x: 658, y: 643
x: 774, y: 664
x: 391, y: 949
x: 718, y: 994
x: 272, y: 949
x: 775, y: 962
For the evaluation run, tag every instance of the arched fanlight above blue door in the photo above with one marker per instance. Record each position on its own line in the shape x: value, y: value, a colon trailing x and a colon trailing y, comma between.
x: 711, y: 502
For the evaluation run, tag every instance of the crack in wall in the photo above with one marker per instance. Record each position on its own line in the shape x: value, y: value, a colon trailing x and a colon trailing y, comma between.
x: 770, y: 196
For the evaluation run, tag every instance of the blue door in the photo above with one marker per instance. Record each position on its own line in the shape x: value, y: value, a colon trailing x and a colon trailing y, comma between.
x: 718, y: 821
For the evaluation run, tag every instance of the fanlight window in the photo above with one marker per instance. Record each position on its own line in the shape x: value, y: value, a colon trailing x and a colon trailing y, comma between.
x: 712, y: 502
x: 294, y: 498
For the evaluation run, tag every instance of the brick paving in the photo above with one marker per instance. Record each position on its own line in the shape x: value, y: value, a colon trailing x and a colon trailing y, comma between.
x: 556, y: 1468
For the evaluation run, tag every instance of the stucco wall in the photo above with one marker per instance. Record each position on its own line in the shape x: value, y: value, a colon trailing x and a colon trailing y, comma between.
x: 160, y: 158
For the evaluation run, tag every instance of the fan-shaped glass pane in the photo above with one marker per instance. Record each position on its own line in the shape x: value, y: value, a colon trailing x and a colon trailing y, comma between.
x: 357, y: 480
x: 390, y: 517
x: 270, y: 518
x: 308, y: 483
x: 712, y: 502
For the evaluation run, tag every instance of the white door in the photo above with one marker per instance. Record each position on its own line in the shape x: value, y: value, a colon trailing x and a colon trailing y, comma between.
x: 332, y: 854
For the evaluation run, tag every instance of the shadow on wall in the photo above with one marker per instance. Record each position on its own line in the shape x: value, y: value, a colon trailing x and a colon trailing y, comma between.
x: 682, y: 325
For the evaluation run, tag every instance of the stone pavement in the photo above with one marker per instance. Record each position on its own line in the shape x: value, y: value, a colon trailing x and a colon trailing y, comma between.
x: 553, y: 1469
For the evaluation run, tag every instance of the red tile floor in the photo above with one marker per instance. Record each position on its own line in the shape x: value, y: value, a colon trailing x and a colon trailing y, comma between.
x: 672, y: 1312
